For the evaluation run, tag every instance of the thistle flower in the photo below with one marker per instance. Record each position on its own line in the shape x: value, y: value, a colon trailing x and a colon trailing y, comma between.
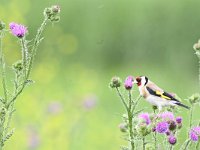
x: 167, y: 115
x: 179, y: 120
x: 162, y: 127
x: 128, y: 84
x: 172, y: 139
x: 194, y: 134
x: 18, y: 29
x: 145, y: 117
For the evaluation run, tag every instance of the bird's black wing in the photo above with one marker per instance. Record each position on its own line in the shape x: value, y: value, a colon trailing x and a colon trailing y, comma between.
x: 164, y: 95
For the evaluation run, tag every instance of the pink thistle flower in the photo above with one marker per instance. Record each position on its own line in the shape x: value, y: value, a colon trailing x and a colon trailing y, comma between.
x: 145, y: 117
x: 179, y: 120
x: 18, y: 29
x: 162, y: 127
x: 194, y: 134
x: 167, y: 115
x: 128, y: 84
x: 172, y: 139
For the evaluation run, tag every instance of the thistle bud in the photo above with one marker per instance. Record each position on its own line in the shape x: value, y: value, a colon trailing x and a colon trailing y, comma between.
x: 52, y: 13
x: 3, y: 111
x: 172, y: 125
x: 179, y: 125
x: 194, y: 98
x: 123, y: 127
x: 172, y: 139
x: 196, y: 46
x: 2, y: 25
x: 115, y: 82
x: 179, y: 119
x: 154, y: 107
x: 18, y: 66
x: 143, y: 129
x: 56, y: 9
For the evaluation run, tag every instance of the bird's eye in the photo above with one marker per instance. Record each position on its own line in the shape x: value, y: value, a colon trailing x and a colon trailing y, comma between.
x: 138, y: 79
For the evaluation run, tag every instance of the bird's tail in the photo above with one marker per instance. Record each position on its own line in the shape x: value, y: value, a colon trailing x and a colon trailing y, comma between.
x: 182, y: 105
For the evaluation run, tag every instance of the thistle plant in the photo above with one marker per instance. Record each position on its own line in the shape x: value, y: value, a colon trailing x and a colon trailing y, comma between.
x: 21, y: 68
x: 156, y: 130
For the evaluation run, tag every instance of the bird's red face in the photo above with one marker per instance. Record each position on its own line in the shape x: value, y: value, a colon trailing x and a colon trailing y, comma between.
x: 138, y: 79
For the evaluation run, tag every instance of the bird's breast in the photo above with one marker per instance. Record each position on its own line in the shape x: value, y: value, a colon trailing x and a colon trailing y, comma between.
x: 143, y: 92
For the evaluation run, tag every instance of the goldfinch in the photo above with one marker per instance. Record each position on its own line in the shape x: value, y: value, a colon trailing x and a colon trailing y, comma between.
x: 155, y: 95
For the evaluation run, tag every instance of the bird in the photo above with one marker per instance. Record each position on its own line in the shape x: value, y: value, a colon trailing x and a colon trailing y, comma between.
x: 155, y: 95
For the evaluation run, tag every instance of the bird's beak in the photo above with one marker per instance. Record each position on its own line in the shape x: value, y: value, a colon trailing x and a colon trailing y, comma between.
x: 135, y: 81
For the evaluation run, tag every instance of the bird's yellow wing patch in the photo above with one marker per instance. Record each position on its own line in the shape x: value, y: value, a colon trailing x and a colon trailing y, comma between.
x: 163, y: 95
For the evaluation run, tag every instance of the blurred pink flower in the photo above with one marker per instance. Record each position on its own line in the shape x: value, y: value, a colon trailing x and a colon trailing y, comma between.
x: 54, y: 107
x: 18, y: 29
x: 89, y: 102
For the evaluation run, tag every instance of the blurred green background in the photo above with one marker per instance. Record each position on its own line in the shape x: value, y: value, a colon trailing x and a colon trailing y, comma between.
x: 70, y: 106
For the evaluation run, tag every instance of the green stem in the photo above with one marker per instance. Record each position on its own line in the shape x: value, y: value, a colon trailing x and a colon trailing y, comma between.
x: 191, y: 115
x: 135, y: 103
x: 2, y: 119
x: 130, y: 122
x: 122, y: 99
x: 199, y: 72
x: 170, y: 147
x: 24, y: 55
x: 187, y: 144
x: 35, y: 45
x: 197, y: 145
x: 143, y: 142
x: 3, y: 72
x: 155, y: 133
x: 155, y: 140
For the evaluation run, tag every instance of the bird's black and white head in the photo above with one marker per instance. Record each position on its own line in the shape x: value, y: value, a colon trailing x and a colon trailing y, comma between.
x: 141, y: 81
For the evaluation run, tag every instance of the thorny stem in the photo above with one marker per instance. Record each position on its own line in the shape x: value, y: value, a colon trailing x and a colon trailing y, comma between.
x: 187, y: 144
x: 135, y: 103
x: 155, y: 134
x: 197, y: 146
x: 27, y: 70
x: 130, y: 116
x: 35, y: 45
x: 198, y: 143
x: 122, y: 99
x: 3, y: 72
x: 130, y: 122
x: 155, y: 140
x: 2, y: 121
x: 191, y: 115
x: 24, y: 55
x: 33, y: 52
x: 199, y: 72
x: 170, y: 147
x: 143, y: 143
